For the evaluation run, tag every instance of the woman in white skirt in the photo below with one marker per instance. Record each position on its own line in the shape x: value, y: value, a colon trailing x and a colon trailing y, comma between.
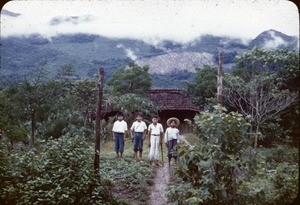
x: 155, y: 131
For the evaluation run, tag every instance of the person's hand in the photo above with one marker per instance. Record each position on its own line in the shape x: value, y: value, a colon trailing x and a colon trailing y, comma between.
x: 149, y: 145
x: 124, y: 139
x: 131, y: 136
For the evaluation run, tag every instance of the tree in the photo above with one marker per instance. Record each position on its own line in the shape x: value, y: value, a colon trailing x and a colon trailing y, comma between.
x: 205, y: 85
x: 278, y: 70
x: 132, y: 103
x: 131, y: 79
x: 259, y: 98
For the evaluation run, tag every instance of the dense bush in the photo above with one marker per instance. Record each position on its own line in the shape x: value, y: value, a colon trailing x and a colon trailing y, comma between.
x: 210, y: 169
x: 222, y: 169
x: 60, y: 173
x: 275, y: 177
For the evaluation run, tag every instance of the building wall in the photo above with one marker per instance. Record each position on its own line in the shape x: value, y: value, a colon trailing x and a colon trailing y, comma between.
x: 181, y: 115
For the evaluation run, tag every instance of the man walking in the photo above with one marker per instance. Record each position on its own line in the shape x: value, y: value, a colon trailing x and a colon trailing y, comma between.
x: 119, y: 131
x: 155, y: 139
x: 138, y: 133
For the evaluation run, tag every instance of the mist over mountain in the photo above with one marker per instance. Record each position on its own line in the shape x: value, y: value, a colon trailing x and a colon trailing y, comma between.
x: 9, y: 13
x: 24, y: 55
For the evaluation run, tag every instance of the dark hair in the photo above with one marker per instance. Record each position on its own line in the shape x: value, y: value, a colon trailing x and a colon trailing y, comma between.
x: 120, y: 114
x: 155, y: 116
x: 139, y: 114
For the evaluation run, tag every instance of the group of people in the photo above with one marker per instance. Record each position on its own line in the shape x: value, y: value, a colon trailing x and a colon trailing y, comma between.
x: 154, y: 133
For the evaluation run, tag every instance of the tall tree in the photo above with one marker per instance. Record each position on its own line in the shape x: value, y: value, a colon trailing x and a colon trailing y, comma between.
x: 131, y: 79
x: 205, y: 85
x: 269, y: 73
x: 260, y: 98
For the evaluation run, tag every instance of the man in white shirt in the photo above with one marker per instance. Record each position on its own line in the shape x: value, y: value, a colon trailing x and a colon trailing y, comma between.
x: 155, y: 139
x: 172, y: 137
x: 119, y: 131
x: 138, y: 131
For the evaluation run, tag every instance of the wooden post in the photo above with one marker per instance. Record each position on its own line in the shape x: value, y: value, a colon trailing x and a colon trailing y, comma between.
x: 219, y: 82
x: 98, y: 120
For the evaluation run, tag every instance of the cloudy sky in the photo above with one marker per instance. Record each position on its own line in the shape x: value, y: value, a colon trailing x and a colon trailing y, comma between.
x: 179, y: 20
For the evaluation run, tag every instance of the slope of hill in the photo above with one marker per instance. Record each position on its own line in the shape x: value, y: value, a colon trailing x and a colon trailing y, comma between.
x: 24, y: 55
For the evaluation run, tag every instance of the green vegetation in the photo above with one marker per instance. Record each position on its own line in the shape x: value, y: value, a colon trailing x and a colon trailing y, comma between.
x: 57, y: 172
x: 246, y: 155
x: 205, y: 86
x: 135, y: 79
x: 222, y: 168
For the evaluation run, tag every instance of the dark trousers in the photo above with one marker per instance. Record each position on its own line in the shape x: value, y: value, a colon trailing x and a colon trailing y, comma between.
x: 172, y: 151
x: 119, y: 142
x: 138, y: 142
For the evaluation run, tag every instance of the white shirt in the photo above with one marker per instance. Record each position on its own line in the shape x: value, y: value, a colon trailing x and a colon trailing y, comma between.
x: 171, y: 133
x: 120, y: 126
x: 156, y: 130
x: 138, y: 126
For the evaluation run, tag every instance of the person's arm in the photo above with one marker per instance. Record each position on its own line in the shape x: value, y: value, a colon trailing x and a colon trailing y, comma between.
x: 161, y: 134
x: 125, y: 131
x: 113, y: 131
x: 166, y: 137
x: 149, y: 135
x: 145, y: 131
x: 177, y: 136
x: 131, y: 131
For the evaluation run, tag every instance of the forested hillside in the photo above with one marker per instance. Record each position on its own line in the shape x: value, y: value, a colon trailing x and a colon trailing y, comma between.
x: 23, y: 55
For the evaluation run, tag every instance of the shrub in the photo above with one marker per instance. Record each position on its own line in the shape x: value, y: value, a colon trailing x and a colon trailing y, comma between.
x: 210, y: 168
x: 61, y: 173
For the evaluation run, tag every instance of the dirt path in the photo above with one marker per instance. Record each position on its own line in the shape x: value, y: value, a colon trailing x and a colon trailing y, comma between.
x: 161, y: 182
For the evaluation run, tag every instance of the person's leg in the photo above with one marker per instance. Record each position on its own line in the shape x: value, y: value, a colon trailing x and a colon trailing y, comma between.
x: 157, y: 149
x: 152, y: 148
x: 169, y: 152
x: 135, y: 146
x: 121, y: 141
x: 140, y: 145
x: 117, y: 146
x: 175, y: 150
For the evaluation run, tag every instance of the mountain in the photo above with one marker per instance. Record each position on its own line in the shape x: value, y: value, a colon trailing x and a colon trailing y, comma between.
x: 273, y: 39
x: 9, y: 13
x: 24, y: 55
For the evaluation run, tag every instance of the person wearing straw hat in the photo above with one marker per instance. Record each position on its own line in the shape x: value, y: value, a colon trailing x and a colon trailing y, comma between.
x: 155, y: 132
x: 172, y: 138
x: 119, y: 131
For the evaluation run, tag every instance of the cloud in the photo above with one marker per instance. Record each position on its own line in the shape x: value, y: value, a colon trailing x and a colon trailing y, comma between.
x: 129, y: 52
x: 274, y: 42
x: 9, y: 13
x: 71, y: 19
x: 151, y: 21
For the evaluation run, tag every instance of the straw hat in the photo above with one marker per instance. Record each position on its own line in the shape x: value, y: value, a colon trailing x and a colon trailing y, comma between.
x: 171, y: 119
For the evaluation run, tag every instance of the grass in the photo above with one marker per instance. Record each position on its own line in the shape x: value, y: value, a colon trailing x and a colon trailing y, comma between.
x: 107, y: 149
x: 132, y: 179
x: 191, y: 138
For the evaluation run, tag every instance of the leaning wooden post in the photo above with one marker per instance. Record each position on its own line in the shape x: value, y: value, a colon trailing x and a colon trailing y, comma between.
x: 98, y: 121
x: 219, y: 83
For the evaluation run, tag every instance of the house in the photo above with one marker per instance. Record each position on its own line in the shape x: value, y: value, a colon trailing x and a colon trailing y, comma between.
x: 172, y: 103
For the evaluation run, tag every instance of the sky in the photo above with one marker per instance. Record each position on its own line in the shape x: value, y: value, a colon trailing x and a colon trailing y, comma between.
x: 151, y: 21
